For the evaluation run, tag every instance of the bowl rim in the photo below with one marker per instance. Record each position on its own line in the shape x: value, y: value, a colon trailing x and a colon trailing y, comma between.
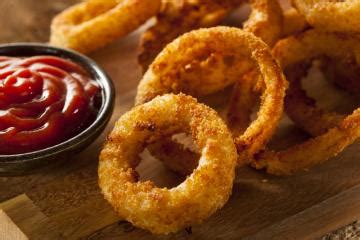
x: 104, y: 114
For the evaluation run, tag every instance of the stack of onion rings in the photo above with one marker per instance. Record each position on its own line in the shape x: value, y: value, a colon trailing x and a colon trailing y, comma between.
x: 223, y: 55
x: 341, y: 131
x: 92, y: 24
x: 162, y: 210
x: 206, y: 61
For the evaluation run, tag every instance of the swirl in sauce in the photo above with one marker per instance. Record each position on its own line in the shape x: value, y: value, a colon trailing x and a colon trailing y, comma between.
x: 44, y: 100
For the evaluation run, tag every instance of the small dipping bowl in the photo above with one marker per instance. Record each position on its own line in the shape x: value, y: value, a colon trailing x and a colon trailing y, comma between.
x: 18, y: 164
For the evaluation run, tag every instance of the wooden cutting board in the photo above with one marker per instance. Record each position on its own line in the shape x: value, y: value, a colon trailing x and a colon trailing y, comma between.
x: 305, y: 206
x: 8, y: 229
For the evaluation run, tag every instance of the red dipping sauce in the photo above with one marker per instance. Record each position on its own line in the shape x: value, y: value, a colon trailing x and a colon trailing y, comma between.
x: 44, y: 100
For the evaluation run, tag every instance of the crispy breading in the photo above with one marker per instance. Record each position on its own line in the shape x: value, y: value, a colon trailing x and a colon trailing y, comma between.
x: 343, y: 130
x: 162, y: 210
x: 92, y: 24
x: 205, y: 61
x: 179, y: 17
x: 335, y: 15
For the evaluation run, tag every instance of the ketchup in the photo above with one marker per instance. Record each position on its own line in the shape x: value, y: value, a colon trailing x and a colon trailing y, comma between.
x: 44, y: 100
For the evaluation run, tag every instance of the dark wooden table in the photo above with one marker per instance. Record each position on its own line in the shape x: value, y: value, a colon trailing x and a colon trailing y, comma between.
x: 307, y: 205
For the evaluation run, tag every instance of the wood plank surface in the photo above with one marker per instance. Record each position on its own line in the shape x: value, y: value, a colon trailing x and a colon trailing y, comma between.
x: 261, y: 205
x: 9, y: 230
x: 309, y: 224
x: 29, y: 219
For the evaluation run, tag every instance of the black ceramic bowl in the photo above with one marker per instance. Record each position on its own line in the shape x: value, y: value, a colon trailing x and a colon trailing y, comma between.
x: 17, y: 164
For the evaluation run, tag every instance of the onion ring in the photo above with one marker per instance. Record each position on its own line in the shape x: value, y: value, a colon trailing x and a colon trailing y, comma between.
x: 344, y: 73
x: 293, y: 23
x: 92, y: 24
x: 336, y: 15
x: 175, y: 19
x: 295, y: 50
x: 244, y: 97
x: 265, y: 21
x: 303, y: 110
x: 162, y: 210
x: 223, y: 55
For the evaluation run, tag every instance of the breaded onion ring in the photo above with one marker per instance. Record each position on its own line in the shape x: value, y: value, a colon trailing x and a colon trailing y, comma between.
x: 208, y: 60
x: 179, y: 17
x: 293, y: 23
x: 265, y: 20
x: 175, y: 19
x: 331, y: 15
x: 303, y: 110
x: 244, y: 95
x: 92, y: 24
x: 345, y: 73
x: 296, y: 50
x: 162, y: 210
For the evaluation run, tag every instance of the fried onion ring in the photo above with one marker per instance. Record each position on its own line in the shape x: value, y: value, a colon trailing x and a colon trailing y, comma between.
x: 206, y: 61
x: 345, y: 73
x: 175, y: 19
x: 293, y: 23
x: 162, y: 210
x: 331, y: 15
x: 297, y: 50
x: 303, y: 110
x: 265, y: 20
x: 179, y: 17
x: 92, y: 24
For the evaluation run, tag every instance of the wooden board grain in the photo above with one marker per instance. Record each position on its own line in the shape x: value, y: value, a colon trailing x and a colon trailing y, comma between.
x: 29, y: 219
x: 8, y: 229
x: 261, y: 205
x: 337, y: 210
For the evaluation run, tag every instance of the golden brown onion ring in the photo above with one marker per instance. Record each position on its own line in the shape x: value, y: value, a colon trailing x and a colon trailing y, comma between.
x: 265, y: 20
x: 303, y: 110
x: 344, y: 73
x: 179, y: 17
x: 208, y: 60
x: 335, y: 15
x: 162, y: 210
x: 244, y: 96
x: 296, y: 50
x: 92, y: 24
x: 175, y: 19
x: 293, y: 23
